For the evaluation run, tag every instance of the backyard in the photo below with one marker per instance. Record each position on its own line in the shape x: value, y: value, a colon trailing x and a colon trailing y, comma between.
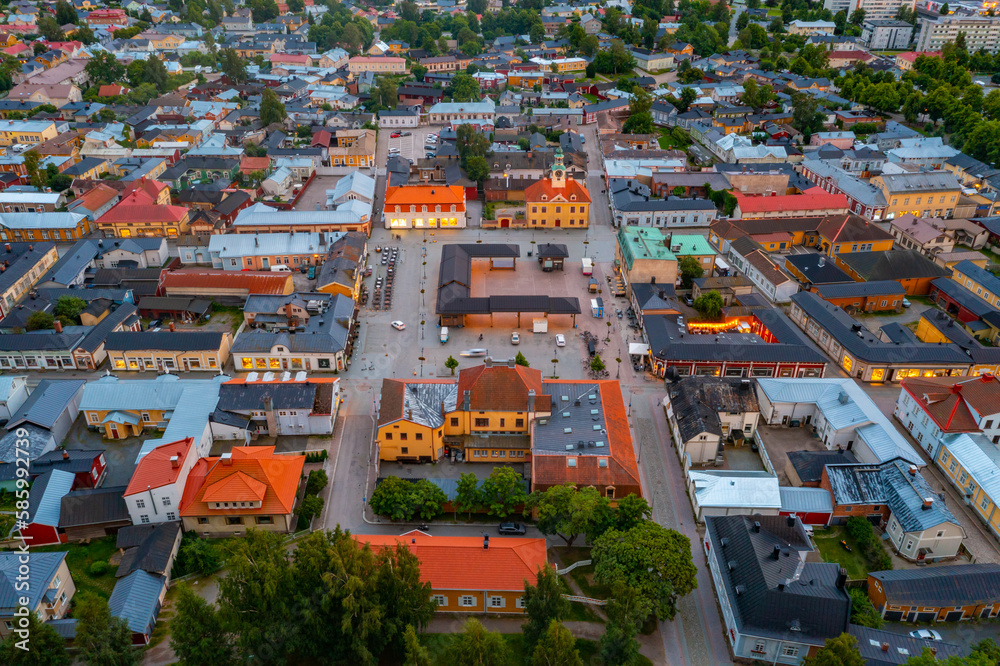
x: 81, y: 558
x: 854, y: 561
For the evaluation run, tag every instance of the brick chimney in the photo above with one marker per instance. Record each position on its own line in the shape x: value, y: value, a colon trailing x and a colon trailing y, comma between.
x: 57, y: 325
x: 65, y: 455
x: 175, y: 462
x: 171, y: 327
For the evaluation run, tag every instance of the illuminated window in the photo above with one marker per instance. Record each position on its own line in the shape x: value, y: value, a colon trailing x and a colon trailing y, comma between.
x: 119, y: 363
x: 260, y: 363
x: 247, y: 363
x: 877, y: 375
x: 276, y: 364
x: 848, y: 363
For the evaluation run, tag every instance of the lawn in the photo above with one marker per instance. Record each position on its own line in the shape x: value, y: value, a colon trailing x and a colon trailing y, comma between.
x: 80, y: 556
x: 438, y: 644
x: 583, y: 576
x: 594, y: 99
x: 828, y: 543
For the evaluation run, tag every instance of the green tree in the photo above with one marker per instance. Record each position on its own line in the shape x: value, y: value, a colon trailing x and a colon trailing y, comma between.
x: 352, y: 603
x: 690, y: 270
x: 310, y: 507
x: 520, y: 359
x: 756, y: 95
x: 42, y: 647
x: 317, y: 481
x: 477, y: 168
x: 543, y: 604
x: 945, y: 9
x: 35, y: 176
x: 683, y: 103
x: 709, y: 305
x: 839, y: 651
x: 476, y: 646
x: 65, y: 13
x: 503, y: 492
x: 156, y: 73
x: 70, y: 307
x: 199, y: 555
x: 104, y: 68
x: 272, y: 110
x: 384, y: 94
x: 640, y: 120
x: 50, y: 30
x: 627, y: 609
x: 198, y: 636
x: 401, y: 500
x: 233, y: 66
x: 857, y: 17
x: 451, y: 364
x: 39, y: 320
x: 418, y: 72
x: 568, y: 512
x: 463, y: 88
x: 743, y: 21
x: 597, y: 364
x: 557, y: 647
x: 631, y: 511
x: 654, y: 560
x: 102, y: 640
x: 416, y: 654
x: 468, y: 495
x: 862, y: 611
x: 806, y: 116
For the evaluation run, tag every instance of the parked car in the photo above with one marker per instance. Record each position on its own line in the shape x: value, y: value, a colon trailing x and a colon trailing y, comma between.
x: 312, y: 273
x: 155, y: 323
x: 398, y: 325
x: 560, y: 340
x: 395, y: 135
x: 926, y: 634
x: 404, y: 134
x: 515, y: 529
x: 906, y: 303
x: 515, y: 339
x: 431, y: 153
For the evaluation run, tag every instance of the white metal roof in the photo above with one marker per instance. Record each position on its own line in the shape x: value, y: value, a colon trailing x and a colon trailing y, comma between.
x: 731, y: 488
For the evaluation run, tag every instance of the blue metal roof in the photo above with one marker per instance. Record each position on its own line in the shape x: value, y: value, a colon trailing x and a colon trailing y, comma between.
x: 42, y: 568
x: 136, y: 599
x: 46, y: 496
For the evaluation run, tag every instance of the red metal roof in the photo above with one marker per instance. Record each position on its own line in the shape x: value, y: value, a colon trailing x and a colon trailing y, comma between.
x: 254, y: 282
x: 155, y: 469
x: 812, y: 199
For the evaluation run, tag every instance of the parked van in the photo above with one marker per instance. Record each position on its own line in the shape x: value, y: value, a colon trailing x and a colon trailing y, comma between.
x: 280, y: 268
x: 444, y: 334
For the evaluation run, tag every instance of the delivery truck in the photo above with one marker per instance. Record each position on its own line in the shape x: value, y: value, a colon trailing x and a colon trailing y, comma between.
x: 444, y: 334
x: 588, y: 266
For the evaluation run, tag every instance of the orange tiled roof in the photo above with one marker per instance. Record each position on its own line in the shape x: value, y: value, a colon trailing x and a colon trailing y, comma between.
x: 534, y: 192
x: 406, y: 195
x: 501, y: 388
x: 111, y: 90
x: 255, y: 282
x: 155, y: 469
x: 461, y: 563
x: 255, y: 473
x: 622, y: 471
x: 250, y: 164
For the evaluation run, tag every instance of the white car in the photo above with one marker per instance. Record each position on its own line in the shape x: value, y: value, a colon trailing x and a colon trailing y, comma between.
x: 474, y: 352
x: 926, y: 634
x: 560, y: 340
x: 398, y: 325
x: 515, y: 339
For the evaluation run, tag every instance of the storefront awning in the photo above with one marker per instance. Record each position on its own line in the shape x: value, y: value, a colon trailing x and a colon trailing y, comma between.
x: 638, y: 349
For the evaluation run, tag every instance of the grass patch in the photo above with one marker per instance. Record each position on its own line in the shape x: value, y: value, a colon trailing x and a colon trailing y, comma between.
x: 593, y: 99
x: 579, y: 612
x: 162, y: 628
x: 234, y: 313
x: 828, y: 544
x: 7, y: 500
x: 438, y: 644
x: 80, y: 556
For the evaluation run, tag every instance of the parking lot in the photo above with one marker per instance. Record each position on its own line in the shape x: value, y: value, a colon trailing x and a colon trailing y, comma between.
x: 417, y: 350
x: 411, y: 147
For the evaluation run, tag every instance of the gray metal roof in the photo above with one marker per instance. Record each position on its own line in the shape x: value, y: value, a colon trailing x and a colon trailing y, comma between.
x: 858, y: 289
x: 577, y: 425
x: 427, y: 404
x: 147, y: 547
x: 950, y: 585
x: 47, y: 402
x: 164, y: 341
x: 252, y: 396
x: 39, y: 440
x: 93, y: 506
x: 22, y: 257
x: 805, y: 500
x: 901, y: 647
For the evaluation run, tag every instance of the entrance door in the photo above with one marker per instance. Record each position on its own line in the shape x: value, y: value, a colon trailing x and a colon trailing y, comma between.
x: 558, y: 223
x: 265, y: 262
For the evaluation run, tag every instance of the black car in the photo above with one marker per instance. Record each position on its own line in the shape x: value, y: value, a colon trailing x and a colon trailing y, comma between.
x: 511, y: 528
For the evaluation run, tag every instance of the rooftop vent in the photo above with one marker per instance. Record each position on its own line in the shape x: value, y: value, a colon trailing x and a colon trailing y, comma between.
x: 740, y: 590
x: 569, y: 447
x: 567, y: 431
x: 566, y: 415
x: 599, y: 444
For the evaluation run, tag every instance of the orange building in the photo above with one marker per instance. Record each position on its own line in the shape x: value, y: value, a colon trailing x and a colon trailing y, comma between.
x: 424, y: 207
x: 942, y: 594
x: 471, y: 574
x: 249, y: 487
x: 558, y: 201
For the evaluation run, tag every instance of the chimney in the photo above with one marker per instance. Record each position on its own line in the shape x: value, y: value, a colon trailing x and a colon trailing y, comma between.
x: 8, y: 246
x: 510, y: 363
x: 791, y: 521
x: 756, y: 526
x: 842, y: 578
x: 65, y: 455
x: 885, y: 646
x: 175, y: 462
x: 531, y: 400
x: 227, y: 458
x: 171, y: 327
x: 288, y: 310
x: 776, y: 553
x: 466, y: 400
x: 488, y: 362
x: 928, y: 503
x: 913, y: 470
x: 57, y: 325
x: 486, y: 541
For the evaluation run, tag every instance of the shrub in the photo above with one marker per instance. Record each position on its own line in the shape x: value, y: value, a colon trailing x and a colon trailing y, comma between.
x: 98, y: 569
x: 317, y: 482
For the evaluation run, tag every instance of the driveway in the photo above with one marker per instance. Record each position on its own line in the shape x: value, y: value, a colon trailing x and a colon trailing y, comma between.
x: 119, y: 453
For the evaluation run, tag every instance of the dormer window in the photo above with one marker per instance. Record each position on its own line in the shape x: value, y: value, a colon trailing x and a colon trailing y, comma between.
x: 572, y: 197
x: 545, y: 197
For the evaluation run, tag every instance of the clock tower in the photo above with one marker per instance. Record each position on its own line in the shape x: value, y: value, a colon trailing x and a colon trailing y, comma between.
x: 558, y: 171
